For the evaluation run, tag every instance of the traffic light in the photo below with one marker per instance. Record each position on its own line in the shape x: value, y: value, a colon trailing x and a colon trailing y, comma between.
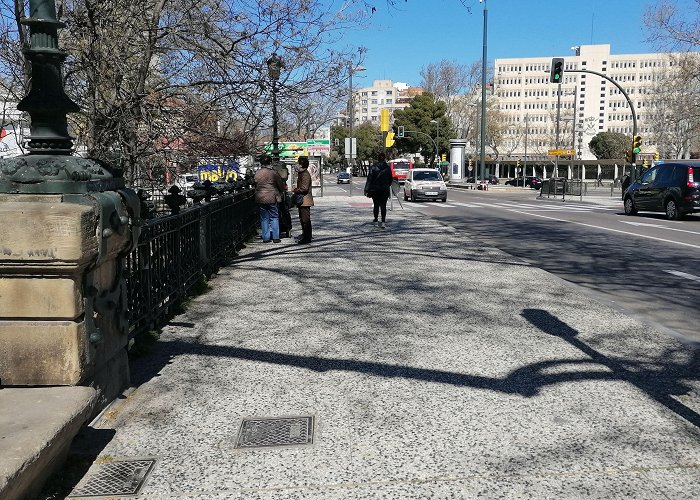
x: 444, y: 157
x: 384, y: 120
x: 637, y: 144
x: 336, y: 141
x: 556, y: 72
x: 657, y: 156
x: 389, y: 139
x: 401, y: 131
x: 645, y: 162
x: 628, y: 157
x: 517, y: 163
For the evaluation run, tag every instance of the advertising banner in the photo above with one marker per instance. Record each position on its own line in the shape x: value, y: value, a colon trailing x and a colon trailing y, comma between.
x: 218, y: 171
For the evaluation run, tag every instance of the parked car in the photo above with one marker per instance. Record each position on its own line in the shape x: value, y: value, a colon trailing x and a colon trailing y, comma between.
x: 343, y: 178
x: 491, y: 178
x: 672, y: 187
x: 530, y: 181
x: 424, y: 184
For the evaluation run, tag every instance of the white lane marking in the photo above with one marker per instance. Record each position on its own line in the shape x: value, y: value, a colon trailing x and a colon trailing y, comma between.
x: 683, y: 275
x: 444, y: 205
x: 608, y: 229
x: 467, y: 205
x: 658, y: 226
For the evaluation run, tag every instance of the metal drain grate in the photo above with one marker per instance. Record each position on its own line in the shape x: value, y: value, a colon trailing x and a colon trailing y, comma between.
x: 116, y: 478
x: 280, y: 431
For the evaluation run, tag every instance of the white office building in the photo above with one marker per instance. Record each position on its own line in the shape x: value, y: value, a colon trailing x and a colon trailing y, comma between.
x: 383, y: 94
x: 528, y: 101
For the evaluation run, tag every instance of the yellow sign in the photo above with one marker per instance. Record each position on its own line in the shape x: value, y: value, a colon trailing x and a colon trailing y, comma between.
x: 389, y: 141
x: 384, y: 120
x: 561, y: 152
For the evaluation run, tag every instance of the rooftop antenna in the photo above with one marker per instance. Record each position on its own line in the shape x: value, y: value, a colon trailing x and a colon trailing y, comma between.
x: 592, y: 18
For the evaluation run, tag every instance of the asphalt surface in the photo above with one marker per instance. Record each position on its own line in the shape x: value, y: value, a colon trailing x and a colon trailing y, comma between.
x: 435, y: 365
x: 646, y: 265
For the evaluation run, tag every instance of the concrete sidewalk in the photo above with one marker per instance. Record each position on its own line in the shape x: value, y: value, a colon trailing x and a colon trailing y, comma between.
x: 435, y: 367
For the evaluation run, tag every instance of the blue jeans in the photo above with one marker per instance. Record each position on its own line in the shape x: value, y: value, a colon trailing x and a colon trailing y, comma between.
x: 269, y: 221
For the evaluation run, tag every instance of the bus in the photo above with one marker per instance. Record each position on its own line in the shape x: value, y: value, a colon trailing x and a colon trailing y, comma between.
x: 400, y: 168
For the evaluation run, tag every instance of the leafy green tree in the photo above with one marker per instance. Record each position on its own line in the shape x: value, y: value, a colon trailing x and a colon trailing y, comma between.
x: 610, y: 145
x: 367, y: 136
x: 418, y: 121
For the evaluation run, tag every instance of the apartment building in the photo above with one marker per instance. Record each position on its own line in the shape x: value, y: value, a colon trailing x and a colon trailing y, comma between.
x: 589, y: 104
x: 383, y: 94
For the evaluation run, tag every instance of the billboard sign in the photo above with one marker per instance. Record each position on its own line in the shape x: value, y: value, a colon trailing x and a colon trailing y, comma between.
x: 218, y: 170
x: 288, y: 149
x: 318, y: 146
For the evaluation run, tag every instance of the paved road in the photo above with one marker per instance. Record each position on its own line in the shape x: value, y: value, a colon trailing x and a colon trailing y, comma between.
x: 538, y: 392
x: 648, y: 266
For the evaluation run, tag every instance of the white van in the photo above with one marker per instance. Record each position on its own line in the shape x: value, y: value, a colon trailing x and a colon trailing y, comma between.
x: 186, y: 181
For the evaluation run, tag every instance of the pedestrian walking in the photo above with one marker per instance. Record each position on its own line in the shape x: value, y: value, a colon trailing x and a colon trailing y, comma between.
x: 268, y: 195
x: 600, y: 180
x: 304, y: 188
x: 378, y: 187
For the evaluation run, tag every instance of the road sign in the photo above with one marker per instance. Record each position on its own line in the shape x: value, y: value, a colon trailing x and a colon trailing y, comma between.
x: 561, y: 152
x: 350, y: 150
x: 318, y: 146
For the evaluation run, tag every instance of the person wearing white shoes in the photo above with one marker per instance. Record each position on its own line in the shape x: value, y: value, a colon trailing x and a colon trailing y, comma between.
x: 378, y: 187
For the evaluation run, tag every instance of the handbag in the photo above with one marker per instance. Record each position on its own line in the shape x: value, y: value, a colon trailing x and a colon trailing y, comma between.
x: 297, y: 199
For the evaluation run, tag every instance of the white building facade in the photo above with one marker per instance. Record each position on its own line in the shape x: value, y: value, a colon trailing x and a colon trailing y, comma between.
x: 383, y: 94
x: 589, y: 103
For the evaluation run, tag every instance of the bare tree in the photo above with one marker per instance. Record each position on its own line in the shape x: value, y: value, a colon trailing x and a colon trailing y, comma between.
x: 675, y: 106
x: 672, y: 26
x: 156, y: 78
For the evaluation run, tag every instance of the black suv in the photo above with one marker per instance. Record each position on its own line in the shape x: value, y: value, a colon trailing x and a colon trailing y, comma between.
x: 672, y: 187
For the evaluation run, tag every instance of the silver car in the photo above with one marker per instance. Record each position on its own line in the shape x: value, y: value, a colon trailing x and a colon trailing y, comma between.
x: 424, y: 184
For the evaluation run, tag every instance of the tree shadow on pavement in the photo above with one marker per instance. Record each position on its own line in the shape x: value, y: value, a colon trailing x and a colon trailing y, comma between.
x: 661, y: 378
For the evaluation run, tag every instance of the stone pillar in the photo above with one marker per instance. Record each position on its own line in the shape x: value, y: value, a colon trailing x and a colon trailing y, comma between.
x: 457, y: 148
x: 63, y: 309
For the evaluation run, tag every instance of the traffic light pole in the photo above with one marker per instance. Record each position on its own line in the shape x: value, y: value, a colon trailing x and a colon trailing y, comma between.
x: 482, y: 148
x: 633, y: 173
x: 422, y: 133
x: 556, y: 158
x: 527, y: 125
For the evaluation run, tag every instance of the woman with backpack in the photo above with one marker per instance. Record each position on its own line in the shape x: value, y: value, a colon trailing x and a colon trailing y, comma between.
x: 378, y: 187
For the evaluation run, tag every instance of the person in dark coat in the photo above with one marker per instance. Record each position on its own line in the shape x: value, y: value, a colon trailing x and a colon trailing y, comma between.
x: 378, y: 187
x: 304, y: 187
x: 268, y: 194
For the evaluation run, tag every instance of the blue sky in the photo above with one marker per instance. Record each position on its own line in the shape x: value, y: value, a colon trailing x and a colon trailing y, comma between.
x: 400, y: 41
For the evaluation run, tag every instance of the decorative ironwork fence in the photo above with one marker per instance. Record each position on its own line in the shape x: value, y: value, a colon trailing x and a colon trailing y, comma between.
x: 176, y: 251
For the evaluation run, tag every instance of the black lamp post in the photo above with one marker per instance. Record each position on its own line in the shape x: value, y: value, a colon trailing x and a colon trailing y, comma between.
x: 49, y: 166
x: 274, y: 68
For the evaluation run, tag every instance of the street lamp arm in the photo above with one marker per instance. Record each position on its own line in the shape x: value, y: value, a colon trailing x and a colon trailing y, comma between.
x: 423, y: 133
x: 629, y: 101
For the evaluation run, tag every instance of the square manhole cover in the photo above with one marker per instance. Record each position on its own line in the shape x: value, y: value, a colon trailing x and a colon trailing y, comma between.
x: 278, y: 431
x: 117, y: 478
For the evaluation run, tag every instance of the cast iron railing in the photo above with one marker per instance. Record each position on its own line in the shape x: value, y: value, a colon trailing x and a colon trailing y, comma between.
x: 175, y: 252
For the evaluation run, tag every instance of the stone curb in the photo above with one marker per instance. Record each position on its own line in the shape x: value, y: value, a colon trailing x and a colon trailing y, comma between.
x: 37, y: 426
